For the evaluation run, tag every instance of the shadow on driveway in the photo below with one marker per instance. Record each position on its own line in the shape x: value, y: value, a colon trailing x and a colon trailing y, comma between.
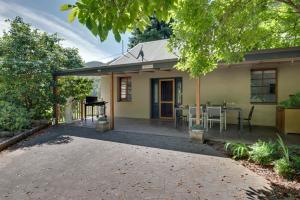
x: 275, y: 191
x: 64, y: 134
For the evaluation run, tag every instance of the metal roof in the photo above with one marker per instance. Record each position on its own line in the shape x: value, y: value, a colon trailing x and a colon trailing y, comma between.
x: 131, y: 67
x: 157, y: 57
x: 278, y: 53
x: 153, y: 51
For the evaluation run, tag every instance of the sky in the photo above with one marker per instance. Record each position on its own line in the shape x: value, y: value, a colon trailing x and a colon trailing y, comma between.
x: 46, y: 16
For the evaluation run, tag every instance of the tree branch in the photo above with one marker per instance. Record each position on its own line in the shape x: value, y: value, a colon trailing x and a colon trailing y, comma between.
x: 291, y: 3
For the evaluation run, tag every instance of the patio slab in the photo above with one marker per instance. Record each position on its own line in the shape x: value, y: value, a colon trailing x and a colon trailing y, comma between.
x: 264, y: 133
x: 146, y: 126
x: 166, y: 127
x: 68, y: 162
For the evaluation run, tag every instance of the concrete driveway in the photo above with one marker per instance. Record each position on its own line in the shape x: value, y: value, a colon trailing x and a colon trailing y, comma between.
x: 67, y: 162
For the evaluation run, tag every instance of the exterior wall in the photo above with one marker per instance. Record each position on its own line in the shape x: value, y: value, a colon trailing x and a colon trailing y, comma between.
x: 140, y: 105
x: 231, y: 84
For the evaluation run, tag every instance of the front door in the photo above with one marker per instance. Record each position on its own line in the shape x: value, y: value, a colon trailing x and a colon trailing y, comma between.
x: 166, y: 97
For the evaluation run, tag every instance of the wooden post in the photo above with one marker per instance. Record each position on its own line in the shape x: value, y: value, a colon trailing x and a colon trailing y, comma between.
x: 81, y: 109
x: 55, y: 105
x: 198, y: 101
x: 112, y: 102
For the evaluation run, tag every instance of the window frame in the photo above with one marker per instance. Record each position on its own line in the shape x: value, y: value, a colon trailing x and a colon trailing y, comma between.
x: 127, y: 98
x: 276, y: 85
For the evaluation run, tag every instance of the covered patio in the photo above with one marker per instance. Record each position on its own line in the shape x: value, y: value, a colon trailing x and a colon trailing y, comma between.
x: 167, y: 128
x: 144, y: 93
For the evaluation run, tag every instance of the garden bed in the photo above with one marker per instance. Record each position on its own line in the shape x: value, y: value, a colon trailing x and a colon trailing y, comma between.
x: 12, y: 138
x: 281, y: 188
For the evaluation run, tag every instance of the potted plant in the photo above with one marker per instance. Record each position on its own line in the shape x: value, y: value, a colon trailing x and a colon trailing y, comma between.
x: 288, y: 115
x: 197, y: 133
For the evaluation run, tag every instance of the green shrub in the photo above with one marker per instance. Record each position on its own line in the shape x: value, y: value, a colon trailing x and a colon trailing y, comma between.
x: 283, y: 149
x: 197, y: 127
x: 262, y: 152
x: 13, y: 118
x: 296, y: 163
x: 283, y: 167
x: 292, y: 102
x: 237, y: 150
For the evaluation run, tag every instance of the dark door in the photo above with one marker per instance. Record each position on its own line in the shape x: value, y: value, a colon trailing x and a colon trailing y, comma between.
x: 166, y: 98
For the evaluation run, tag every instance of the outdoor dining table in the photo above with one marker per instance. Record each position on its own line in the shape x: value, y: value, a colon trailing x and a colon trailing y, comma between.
x: 226, y: 109
x: 240, y: 115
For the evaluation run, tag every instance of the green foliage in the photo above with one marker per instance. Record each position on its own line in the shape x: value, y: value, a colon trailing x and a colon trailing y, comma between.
x: 119, y: 16
x: 28, y: 58
x: 205, y: 32
x: 156, y: 30
x: 237, y: 150
x: 13, y: 118
x: 209, y: 32
x: 283, y: 149
x: 292, y: 102
x: 283, y: 167
x: 296, y: 163
x: 286, y: 163
x: 197, y: 127
x: 262, y: 152
x: 75, y: 87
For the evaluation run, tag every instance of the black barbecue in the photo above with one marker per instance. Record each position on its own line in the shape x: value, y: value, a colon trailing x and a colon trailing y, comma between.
x: 93, y: 102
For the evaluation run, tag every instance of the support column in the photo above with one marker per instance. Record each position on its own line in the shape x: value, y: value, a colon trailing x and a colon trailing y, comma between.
x: 112, y: 103
x: 55, y: 104
x: 198, y: 100
x: 81, y: 110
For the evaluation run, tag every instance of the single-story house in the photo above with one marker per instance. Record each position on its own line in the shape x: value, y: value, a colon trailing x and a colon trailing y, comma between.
x: 143, y: 83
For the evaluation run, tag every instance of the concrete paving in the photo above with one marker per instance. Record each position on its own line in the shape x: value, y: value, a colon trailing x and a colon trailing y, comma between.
x: 68, y: 162
x: 167, y: 128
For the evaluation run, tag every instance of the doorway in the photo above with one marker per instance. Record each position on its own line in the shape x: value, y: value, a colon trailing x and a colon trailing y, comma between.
x: 166, y: 98
x: 166, y: 94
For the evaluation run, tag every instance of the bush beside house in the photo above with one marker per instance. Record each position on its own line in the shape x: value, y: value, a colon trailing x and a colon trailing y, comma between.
x: 275, y: 154
x: 13, y: 118
x: 28, y: 57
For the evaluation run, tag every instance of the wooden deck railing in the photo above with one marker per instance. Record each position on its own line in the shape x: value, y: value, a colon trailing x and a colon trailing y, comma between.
x: 78, y: 111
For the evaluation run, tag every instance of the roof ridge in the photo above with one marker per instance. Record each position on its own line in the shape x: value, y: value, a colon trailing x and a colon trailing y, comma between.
x: 153, y: 41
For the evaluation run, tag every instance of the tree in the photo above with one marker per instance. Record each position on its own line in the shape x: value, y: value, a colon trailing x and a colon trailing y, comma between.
x: 28, y: 57
x: 75, y: 87
x: 205, y: 32
x: 118, y: 16
x: 156, y: 30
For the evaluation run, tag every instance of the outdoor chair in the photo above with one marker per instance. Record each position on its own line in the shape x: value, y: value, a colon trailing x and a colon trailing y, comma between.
x: 192, y: 116
x: 215, y: 114
x: 248, y: 119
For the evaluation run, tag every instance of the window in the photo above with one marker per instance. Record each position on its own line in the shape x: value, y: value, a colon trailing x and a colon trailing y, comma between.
x: 264, y: 86
x: 124, y: 89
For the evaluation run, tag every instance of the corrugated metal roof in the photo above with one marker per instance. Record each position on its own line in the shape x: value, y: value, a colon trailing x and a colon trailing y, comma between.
x: 153, y: 51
